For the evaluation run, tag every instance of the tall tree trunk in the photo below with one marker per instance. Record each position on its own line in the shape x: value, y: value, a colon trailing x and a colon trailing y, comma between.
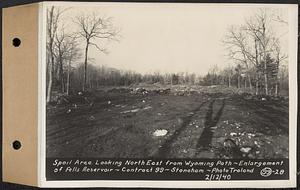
x: 229, y: 81
x: 50, y: 72
x: 52, y: 19
x: 90, y: 83
x: 85, y: 67
x: 256, y: 66
x: 61, y: 75
x: 277, y: 78
x: 256, y: 85
x: 250, y: 84
x: 62, y: 84
x: 276, y: 89
x: 266, y: 78
x: 265, y: 59
x: 239, y: 85
x: 68, y: 78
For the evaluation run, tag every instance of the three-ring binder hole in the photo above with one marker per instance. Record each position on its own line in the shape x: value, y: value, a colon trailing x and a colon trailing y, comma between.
x: 16, y: 42
x: 16, y: 145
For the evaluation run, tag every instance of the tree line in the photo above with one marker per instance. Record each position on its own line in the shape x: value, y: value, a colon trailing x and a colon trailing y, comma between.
x: 235, y: 77
x: 101, y: 75
x: 254, y: 50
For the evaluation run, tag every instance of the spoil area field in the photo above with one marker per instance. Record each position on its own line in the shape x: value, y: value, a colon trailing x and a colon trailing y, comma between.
x: 168, y: 123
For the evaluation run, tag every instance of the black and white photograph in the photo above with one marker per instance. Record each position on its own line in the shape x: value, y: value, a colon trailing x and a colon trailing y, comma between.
x: 168, y: 81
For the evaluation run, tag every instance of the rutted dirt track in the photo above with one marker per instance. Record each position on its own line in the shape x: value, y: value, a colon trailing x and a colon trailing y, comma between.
x: 201, y: 125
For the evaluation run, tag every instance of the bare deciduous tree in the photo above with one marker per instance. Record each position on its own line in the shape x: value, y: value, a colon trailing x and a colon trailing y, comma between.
x: 259, y: 28
x: 73, y: 54
x: 237, y: 45
x: 279, y: 57
x: 93, y: 28
x: 53, y: 15
x: 61, y: 50
x: 251, y: 45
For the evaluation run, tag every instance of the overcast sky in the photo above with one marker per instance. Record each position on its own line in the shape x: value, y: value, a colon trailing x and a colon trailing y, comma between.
x: 168, y: 37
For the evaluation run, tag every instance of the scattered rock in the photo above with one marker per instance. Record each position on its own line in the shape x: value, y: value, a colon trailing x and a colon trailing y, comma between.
x: 250, y: 135
x: 243, y: 133
x: 229, y: 143
x: 109, y: 102
x: 160, y: 132
x: 147, y: 107
x: 245, y: 149
x: 257, y: 144
x: 191, y: 113
x: 233, y: 134
x: 69, y: 111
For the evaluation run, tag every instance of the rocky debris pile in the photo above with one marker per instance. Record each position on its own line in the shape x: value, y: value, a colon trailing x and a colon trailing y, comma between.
x: 142, y: 91
x: 175, y: 90
x: 261, y: 97
x: 182, y: 93
x: 166, y: 91
x: 238, y: 142
x: 184, y: 90
x: 180, y: 90
x: 69, y: 103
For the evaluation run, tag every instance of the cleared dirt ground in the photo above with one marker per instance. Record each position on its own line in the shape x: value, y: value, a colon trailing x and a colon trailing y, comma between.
x: 201, y: 123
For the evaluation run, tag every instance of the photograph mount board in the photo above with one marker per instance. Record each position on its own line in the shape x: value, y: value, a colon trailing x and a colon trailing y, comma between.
x: 151, y: 95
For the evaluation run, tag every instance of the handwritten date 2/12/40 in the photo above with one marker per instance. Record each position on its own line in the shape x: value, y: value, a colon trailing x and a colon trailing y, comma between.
x: 210, y: 177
